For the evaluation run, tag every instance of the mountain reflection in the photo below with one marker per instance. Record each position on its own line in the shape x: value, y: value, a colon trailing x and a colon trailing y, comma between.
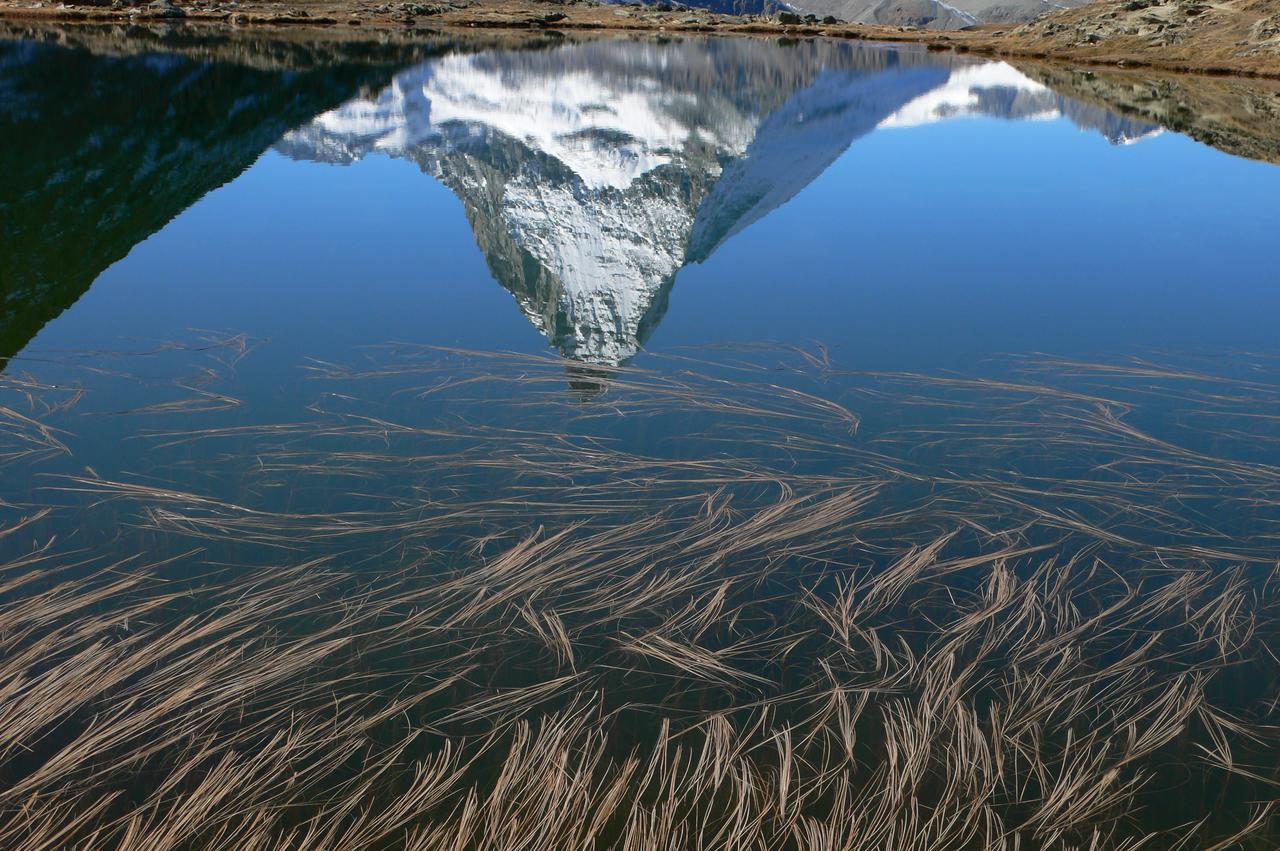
x: 592, y: 173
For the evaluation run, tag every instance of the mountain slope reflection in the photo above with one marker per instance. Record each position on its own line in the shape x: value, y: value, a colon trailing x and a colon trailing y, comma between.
x: 592, y: 173
x: 87, y: 173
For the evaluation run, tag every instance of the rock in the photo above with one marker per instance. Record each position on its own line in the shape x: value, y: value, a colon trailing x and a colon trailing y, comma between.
x: 831, y: 19
x: 1092, y: 38
x: 552, y: 17
x: 1266, y: 29
x: 789, y: 18
x: 164, y: 9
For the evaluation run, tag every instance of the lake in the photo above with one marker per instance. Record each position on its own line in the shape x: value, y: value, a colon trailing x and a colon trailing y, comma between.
x: 531, y: 442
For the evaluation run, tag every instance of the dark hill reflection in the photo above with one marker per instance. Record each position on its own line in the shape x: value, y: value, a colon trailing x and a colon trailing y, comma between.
x: 592, y: 173
x: 98, y: 152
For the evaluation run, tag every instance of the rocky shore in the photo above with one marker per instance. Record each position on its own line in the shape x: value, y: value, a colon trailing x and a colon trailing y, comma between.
x: 1201, y: 36
x: 1208, y: 36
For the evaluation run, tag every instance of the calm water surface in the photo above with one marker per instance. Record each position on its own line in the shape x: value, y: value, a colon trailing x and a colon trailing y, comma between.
x: 385, y: 312
x: 606, y: 199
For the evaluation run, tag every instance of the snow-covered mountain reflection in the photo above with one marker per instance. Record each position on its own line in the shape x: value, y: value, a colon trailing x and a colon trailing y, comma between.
x: 592, y: 173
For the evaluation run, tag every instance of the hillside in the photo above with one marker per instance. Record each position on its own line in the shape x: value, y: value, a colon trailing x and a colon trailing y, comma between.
x: 1200, y: 35
x: 1207, y: 36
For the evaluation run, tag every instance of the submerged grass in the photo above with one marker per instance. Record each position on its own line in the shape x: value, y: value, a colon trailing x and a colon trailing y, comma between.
x: 741, y: 599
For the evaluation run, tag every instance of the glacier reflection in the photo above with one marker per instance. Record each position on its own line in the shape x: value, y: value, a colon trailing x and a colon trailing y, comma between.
x: 592, y: 173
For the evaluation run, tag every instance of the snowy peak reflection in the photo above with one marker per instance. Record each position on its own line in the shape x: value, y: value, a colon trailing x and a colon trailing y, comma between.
x: 592, y: 173
x: 998, y: 90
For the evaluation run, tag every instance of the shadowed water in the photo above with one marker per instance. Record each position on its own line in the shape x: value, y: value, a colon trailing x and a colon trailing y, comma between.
x: 543, y: 443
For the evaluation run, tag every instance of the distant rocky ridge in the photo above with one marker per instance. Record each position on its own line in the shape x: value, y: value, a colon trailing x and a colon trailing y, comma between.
x: 928, y: 14
x: 592, y: 173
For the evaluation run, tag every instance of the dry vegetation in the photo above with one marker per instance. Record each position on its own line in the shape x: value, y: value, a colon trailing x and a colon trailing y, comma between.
x: 742, y: 599
x: 1238, y: 37
x: 1222, y: 36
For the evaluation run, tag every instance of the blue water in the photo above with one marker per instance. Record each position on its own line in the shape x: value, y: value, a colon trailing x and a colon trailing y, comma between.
x: 385, y: 313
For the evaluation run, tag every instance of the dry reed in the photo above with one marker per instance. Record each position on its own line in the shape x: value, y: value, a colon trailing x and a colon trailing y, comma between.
x: 737, y: 600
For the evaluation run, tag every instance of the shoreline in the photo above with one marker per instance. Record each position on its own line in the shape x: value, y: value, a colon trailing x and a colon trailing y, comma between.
x: 349, y: 18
